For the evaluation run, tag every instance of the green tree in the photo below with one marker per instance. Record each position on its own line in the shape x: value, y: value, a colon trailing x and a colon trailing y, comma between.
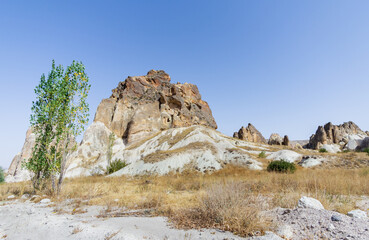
x: 59, y: 113
x: 2, y: 178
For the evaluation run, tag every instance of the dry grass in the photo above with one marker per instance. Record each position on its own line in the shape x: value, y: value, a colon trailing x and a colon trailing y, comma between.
x: 229, y: 199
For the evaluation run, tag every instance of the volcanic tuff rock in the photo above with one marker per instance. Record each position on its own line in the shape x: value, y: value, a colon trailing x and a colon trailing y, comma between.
x: 250, y: 134
x: 15, y: 171
x: 335, y: 134
x: 275, y: 139
x: 144, y: 105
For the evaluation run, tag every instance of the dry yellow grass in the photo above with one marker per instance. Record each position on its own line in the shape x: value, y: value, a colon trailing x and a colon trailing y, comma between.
x: 221, y: 199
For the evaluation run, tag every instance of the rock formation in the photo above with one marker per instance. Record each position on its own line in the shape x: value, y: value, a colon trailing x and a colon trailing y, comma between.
x: 15, y: 171
x: 250, y: 134
x: 275, y: 139
x: 335, y: 134
x: 141, y: 106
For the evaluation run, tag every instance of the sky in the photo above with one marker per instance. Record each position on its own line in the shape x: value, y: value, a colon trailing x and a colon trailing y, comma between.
x: 284, y: 66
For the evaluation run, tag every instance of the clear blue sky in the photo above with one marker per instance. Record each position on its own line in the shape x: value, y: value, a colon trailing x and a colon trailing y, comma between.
x: 285, y: 66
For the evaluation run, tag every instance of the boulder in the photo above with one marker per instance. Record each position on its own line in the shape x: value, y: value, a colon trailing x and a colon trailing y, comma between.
x: 364, y: 144
x: 335, y: 134
x: 357, y: 213
x: 249, y: 134
x: 331, y: 148
x: 286, y: 141
x: 286, y: 155
x: 275, y: 139
x: 144, y: 105
x: 308, y: 202
x: 311, y: 161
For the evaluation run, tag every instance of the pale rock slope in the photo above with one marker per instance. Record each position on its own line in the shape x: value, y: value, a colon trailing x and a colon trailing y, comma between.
x: 174, y: 150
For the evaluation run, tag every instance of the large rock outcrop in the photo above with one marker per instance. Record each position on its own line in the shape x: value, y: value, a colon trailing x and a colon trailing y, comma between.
x: 144, y: 105
x: 15, y: 171
x: 250, y: 134
x: 335, y: 134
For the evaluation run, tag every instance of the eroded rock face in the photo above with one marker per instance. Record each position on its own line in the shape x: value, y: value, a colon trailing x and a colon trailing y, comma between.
x: 250, y: 134
x: 334, y: 134
x: 275, y: 139
x: 141, y: 106
x: 15, y: 171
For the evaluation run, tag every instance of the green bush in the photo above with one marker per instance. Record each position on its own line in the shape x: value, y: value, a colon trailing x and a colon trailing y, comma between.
x: 366, y: 150
x: 262, y: 154
x: 281, y: 166
x: 323, y: 150
x: 115, y: 166
x: 2, y: 178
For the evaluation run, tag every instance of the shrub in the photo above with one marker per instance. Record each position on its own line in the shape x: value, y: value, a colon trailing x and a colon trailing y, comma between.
x: 281, y: 166
x: 262, y: 154
x: 323, y: 150
x: 366, y: 150
x: 115, y: 166
x: 2, y: 178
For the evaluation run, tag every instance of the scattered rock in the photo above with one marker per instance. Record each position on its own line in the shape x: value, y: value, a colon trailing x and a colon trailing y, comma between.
x: 357, y: 213
x: 275, y: 139
x: 285, y: 231
x: 308, y: 202
x: 311, y: 161
x: 11, y: 197
x: 45, y: 200
x: 287, y: 155
x: 336, y: 218
x: 249, y: 134
x: 25, y: 196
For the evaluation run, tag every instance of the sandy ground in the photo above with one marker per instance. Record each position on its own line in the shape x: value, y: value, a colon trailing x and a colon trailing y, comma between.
x: 27, y: 220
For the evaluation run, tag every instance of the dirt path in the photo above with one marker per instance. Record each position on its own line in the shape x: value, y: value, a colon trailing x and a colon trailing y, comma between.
x: 26, y: 220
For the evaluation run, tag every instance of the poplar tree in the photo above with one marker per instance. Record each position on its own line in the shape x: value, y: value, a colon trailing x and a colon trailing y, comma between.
x: 59, y: 113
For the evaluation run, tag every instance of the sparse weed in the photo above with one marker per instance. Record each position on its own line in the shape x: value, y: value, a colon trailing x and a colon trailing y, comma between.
x: 262, y: 154
x: 115, y: 165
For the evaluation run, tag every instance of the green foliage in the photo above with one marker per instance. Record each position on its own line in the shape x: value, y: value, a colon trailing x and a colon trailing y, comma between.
x: 366, y: 150
x: 262, y: 154
x: 2, y: 178
x: 115, y: 166
x: 323, y: 150
x: 281, y: 166
x: 58, y: 114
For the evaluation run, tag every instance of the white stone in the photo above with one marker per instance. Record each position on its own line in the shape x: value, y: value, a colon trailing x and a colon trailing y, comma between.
x: 331, y: 148
x: 352, y: 144
x: 285, y: 231
x: 11, y: 197
x: 308, y: 202
x: 287, y: 155
x: 45, y: 200
x: 357, y: 213
x: 311, y: 162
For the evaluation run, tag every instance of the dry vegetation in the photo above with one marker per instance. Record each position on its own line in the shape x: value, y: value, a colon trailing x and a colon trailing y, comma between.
x: 231, y: 199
